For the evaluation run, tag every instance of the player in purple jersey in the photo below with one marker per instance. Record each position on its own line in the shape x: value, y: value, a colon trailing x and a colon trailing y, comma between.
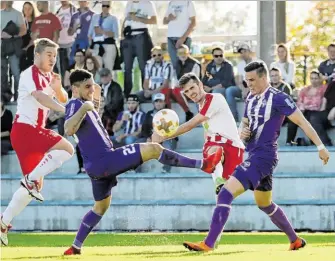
x: 101, y: 161
x: 265, y: 111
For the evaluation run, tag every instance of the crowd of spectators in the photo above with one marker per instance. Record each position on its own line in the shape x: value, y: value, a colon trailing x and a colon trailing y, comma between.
x: 96, y: 42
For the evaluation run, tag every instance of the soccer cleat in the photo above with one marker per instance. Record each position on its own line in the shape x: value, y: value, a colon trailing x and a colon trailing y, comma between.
x: 211, y: 161
x: 33, y: 188
x: 219, y: 183
x: 202, y: 247
x: 299, y: 243
x: 72, y: 251
x: 4, y: 233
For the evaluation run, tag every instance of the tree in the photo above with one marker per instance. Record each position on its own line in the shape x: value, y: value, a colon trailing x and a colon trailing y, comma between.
x: 309, y: 40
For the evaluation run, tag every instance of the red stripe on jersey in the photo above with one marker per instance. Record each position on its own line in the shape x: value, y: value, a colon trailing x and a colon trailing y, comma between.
x: 40, y: 118
x: 36, y: 78
x: 207, y: 103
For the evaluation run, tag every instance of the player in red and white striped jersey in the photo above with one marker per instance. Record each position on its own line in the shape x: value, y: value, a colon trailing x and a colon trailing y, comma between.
x: 40, y: 151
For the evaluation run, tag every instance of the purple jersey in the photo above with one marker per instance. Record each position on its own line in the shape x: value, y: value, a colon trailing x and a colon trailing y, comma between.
x: 93, y: 138
x: 266, y: 113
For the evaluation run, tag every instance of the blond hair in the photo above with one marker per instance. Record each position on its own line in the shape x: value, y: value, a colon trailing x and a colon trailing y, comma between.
x: 156, y: 48
x: 42, y: 43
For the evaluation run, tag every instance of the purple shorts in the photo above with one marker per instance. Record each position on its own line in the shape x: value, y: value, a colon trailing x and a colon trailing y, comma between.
x: 103, y: 172
x: 255, y: 173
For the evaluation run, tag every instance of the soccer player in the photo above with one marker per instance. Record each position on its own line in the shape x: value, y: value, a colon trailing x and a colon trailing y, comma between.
x: 266, y: 108
x: 219, y: 124
x: 101, y: 161
x: 40, y: 151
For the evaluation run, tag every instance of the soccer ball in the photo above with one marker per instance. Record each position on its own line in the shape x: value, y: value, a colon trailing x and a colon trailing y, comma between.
x: 165, y: 122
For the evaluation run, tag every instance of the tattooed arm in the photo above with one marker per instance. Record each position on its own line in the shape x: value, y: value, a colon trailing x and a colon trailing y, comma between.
x: 97, y: 97
x: 73, y: 122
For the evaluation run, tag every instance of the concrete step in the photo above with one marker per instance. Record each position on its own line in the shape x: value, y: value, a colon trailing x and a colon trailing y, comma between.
x: 171, y: 215
x: 291, y: 159
x: 175, y: 186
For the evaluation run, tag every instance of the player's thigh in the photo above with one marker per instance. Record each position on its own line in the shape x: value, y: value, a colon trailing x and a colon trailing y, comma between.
x: 150, y: 151
x: 100, y: 207
x: 63, y: 144
x: 263, y: 198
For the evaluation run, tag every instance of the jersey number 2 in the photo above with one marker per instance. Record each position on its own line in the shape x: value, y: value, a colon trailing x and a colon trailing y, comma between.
x: 129, y: 149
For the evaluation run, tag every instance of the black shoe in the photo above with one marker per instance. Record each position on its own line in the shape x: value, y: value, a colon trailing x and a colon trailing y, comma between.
x: 189, y: 115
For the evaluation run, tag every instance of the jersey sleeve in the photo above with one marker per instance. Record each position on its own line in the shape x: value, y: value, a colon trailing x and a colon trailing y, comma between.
x: 71, y: 108
x: 285, y: 104
x: 210, y: 106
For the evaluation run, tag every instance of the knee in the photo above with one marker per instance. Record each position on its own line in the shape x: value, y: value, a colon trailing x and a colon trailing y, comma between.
x: 155, y: 150
x: 101, y: 207
x: 69, y: 148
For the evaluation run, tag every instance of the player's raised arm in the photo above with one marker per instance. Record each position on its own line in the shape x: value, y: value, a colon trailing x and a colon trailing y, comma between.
x: 97, y: 96
x: 47, y: 101
x: 56, y: 84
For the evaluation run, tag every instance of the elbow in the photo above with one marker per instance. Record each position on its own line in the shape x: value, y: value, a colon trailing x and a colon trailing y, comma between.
x: 68, y: 131
x: 153, y: 20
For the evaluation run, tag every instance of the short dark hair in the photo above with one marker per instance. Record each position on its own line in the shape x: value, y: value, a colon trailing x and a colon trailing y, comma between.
x: 217, y: 49
x: 79, y: 75
x: 276, y: 69
x: 258, y: 66
x: 315, y: 71
x: 188, y: 77
x: 331, y: 45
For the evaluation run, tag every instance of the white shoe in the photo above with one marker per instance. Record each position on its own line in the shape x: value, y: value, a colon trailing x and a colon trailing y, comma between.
x: 33, y: 188
x: 3, y: 234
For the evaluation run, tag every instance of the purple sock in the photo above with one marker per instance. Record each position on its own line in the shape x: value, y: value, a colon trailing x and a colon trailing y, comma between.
x: 90, y: 220
x: 169, y: 157
x: 220, y: 217
x: 279, y: 218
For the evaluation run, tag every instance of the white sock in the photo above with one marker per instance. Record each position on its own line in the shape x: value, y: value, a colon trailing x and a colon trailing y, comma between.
x: 51, y: 161
x: 20, y: 200
x: 217, y: 172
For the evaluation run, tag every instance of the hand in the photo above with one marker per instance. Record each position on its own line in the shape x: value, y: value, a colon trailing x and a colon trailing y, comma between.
x: 172, y: 17
x: 324, y: 77
x: 120, y: 138
x: 25, y: 49
x: 89, y: 106
x: 149, y: 140
x: 147, y: 93
x: 324, y: 156
x: 56, y: 82
x: 125, y: 117
x: 245, y: 134
x: 180, y: 42
x: 5, y: 35
x: 97, y: 88
x: 98, y: 30
x: 157, y: 138
x: 133, y: 17
x: 207, y: 89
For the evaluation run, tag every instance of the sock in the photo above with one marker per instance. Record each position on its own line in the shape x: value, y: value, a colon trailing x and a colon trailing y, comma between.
x: 20, y: 200
x: 217, y: 172
x: 220, y: 217
x: 169, y: 157
x: 90, y: 220
x: 51, y: 161
x: 279, y: 218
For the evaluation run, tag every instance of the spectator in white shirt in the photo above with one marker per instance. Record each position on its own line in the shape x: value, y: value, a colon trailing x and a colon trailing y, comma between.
x: 284, y: 63
x: 246, y: 57
x: 181, y: 20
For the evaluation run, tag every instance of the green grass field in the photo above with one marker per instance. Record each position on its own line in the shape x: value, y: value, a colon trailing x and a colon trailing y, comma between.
x: 168, y: 246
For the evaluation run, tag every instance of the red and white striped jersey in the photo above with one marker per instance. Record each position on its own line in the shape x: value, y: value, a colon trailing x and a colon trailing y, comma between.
x: 29, y: 110
x: 220, y: 119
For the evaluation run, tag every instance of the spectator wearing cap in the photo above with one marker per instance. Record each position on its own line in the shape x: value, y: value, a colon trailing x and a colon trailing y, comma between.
x: 277, y: 81
x: 130, y: 121
x: 181, y: 20
x: 327, y: 67
x: 13, y: 28
x: 102, y: 33
x: 219, y: 78
x: 136, y: 40
x: 158, y: 100
x: 284, y: 63
x: 79, y: 64
x: 113, y: 99
x: 79, y: 25
x: 245, y: 58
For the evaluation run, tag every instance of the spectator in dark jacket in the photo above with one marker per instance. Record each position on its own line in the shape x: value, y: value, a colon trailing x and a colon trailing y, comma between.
x: 6, y: 127
x: 113, y: 99
x: 277, y: 81
x: 219, y: 78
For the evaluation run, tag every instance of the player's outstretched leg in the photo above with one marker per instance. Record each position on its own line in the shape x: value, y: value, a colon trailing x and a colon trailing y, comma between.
x: 51, y: 161
x: 231, y: 190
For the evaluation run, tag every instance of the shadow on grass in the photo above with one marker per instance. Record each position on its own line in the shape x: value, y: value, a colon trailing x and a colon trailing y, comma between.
x: 34, y: 258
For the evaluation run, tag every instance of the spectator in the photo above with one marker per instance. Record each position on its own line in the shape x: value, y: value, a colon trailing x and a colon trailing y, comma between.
x: 181, y: 20
x: 284, y: 63
x: 219, y: 78
x: 103, y: 32
x: 310, y: 102
x: 27, y: 57
x: 245, y: 56
x: 13, y: 28
x: 158, y: 100
x: 6, y: 127
x: 136, y: 40
x: 64, y: 14
x: 186, y: 63
x: 277, y: 81
x: 92, y: 65
x: 330, y: 101
x: 327, y: 67
x: 47, y: 25
x: 158, y: 75
x: 79, y: 25
x: 113, y: 99
x: 130, y: 121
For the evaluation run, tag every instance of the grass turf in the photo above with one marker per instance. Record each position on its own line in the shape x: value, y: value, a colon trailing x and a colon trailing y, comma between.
x: 167, y: 246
